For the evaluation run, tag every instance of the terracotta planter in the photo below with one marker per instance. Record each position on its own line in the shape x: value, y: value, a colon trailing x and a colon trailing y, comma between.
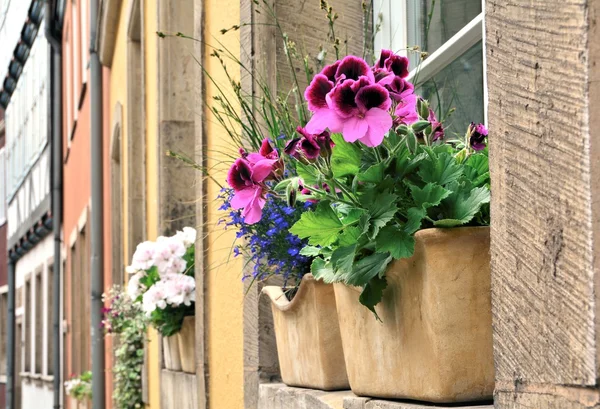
x: 186, y: 338
x: 435, y: 341
x: 171, y: 353
x: 308, y: 336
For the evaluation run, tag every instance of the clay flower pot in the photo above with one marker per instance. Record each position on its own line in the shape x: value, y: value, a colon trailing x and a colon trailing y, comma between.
x: 308, y: 336
x: 186, y: 339
x: 435, y: 341
x: 171, y: 353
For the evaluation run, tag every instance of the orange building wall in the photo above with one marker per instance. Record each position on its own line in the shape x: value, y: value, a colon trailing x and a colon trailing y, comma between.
x: 76, y: 163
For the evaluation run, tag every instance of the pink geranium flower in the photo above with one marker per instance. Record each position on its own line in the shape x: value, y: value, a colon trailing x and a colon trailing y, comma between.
x: 247, y: 176
x: 406, y: 111
x: 389, y: 66
x: 363, y: 108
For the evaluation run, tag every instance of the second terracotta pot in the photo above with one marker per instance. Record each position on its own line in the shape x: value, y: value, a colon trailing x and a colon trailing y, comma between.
x: 187, y: 344
x: 435, y: 339
x: 309, y: 346
x: 171, y: 354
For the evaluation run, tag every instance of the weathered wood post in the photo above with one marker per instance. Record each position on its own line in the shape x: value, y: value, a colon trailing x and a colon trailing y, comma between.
x: 544, y: 100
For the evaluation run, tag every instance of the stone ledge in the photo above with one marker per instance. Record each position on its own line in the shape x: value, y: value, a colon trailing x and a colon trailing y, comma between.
x: 280, y: 396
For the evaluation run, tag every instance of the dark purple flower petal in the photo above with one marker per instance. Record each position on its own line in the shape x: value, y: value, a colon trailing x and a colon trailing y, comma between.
x: 330, y: 70
x: 437, y: 130
x: 310, y: 147
x: 342, y: 99
x: 352, y: 68
x: 373, y: 96
x: 240, y: 175
x: 399, y: 89
x: 478, y: 134
x: 316, y: 92
x: 291, y: 148
x: 267, y: 150
x: 385, y: 54
x: 398, y: 65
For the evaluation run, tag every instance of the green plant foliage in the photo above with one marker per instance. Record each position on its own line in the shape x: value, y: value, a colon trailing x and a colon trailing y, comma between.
x: 127, y: 322
x: 386, y: 194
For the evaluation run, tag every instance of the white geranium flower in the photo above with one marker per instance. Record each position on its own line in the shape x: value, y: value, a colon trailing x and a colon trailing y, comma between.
x: 134, y: 288
x: 166, y: 252
x: 187, y: 236
x: 143, y: 258
x: 154, y: 298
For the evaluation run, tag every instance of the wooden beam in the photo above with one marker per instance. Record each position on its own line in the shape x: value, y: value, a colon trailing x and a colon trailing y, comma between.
x: 544, y: 96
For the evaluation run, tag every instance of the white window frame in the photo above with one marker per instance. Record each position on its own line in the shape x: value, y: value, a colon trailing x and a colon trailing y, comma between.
x: 394, y: 35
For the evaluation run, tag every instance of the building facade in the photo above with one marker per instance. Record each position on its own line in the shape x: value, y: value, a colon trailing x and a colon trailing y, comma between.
x: 25, y: 98
x: 76, y: 187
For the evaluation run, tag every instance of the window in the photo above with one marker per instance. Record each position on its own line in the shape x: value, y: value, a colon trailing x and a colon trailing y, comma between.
x: 49, y: 319
x: 39, y: 324
x: 84, y: 40
x: 76, y: 59
x: 451, y: 33
x: 3, y: 318
x: 26, y: 135
x: 27, y: 298
x: 80, y: 304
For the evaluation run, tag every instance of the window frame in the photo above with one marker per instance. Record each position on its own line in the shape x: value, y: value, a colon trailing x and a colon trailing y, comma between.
x: 452, y: 49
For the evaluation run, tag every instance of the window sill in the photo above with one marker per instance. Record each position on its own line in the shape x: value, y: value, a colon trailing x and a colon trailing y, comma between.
x: 280, y: 396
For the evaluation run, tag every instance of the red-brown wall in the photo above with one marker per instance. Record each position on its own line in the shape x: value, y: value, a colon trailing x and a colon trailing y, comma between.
x: 76, y: 159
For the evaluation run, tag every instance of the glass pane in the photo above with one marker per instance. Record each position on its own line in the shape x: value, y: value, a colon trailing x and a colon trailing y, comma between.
x: 458, y: 86
x: 435, y: 21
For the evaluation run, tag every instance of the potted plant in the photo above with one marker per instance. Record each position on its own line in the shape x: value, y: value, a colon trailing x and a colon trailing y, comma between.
x: 299, y: 304
x: 399, y: 226
x: 79, y: 390
x: 162, y: 280
x: 125, y: 320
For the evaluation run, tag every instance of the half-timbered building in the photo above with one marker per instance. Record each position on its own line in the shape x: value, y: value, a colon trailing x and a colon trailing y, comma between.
x: 24, y: 97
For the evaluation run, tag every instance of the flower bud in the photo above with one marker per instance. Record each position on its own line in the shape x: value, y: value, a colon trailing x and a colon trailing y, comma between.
x: 420, y: 126
x: 423, y: 108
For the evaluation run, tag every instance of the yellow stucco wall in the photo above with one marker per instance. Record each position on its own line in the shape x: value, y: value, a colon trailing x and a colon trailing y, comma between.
x: 118, y: 94
x: 224, y: 285
x: 150, y: 8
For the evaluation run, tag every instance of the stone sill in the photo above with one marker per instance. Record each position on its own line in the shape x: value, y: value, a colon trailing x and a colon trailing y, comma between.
x: 280, y: 396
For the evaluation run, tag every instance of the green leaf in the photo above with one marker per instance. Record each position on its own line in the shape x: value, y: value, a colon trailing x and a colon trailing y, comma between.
x: 350, y: 215
x: 307, y: 173
x: 478, y: 162
x: 414, y: 215
x: 372, y: 293
x: 373, y: 174
x: 431, y: 195
x: 396, y: 242
x: 342, y: 258
x: 349, y: 236
x: 322, y: 270
x: 367, y: 268
x: 441, y: 169
x: 345, y: 159
x: 381, y: 208
x: 310, y: 251
x: 462, y: 206
x: 321, y: 227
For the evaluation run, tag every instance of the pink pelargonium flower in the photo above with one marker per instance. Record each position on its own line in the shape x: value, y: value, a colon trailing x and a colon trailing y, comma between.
x: 400, y: 89
x: 251, y: 200
x: 363, y: 108
x: 352, y: 68
x: 389, y: 66
x: 406, y: 111
x: 246, y: 176
x: 437, y: 130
